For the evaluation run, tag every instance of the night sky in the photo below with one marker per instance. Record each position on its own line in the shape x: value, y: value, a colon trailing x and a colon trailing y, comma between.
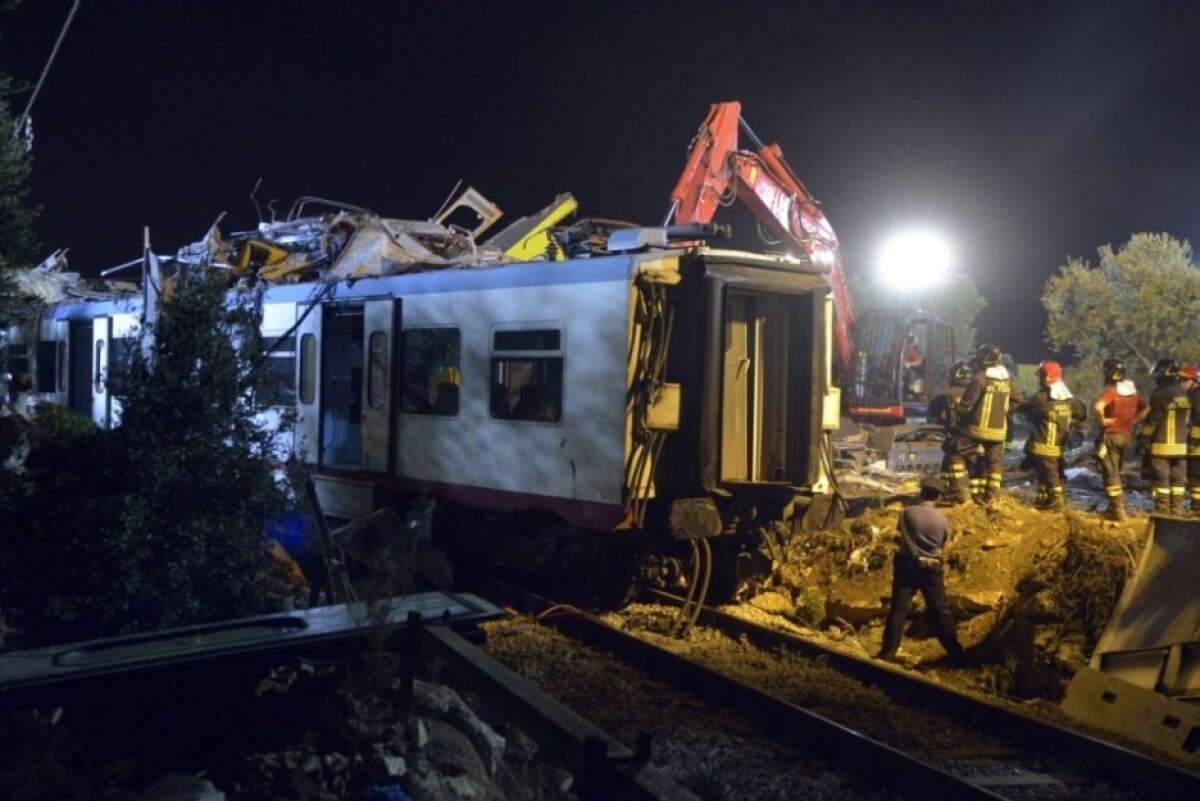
x: 1027, y: 132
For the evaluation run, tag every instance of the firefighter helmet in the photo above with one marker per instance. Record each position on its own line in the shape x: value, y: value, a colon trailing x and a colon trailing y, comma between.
x: 989, y: 355
x: 1188, y: 372
x: 1165, y: 371
x: 961, y: 373
x: 1050, y: 371
x: 1114, y: 371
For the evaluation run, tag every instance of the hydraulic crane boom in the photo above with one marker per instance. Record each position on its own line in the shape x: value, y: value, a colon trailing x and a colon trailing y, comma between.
x: 763, y: 181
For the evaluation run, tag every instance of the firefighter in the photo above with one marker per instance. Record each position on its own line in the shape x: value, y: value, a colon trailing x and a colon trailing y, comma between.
x: 1053, y: 411
x: 1119, y: 408
x: 984, y: 411
x: 944, y: 410
x: 1188, y: 380
x: 1164, y: 436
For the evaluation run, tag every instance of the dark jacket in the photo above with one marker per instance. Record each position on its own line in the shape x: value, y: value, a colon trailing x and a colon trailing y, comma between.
x: 927, y: 528
x: 1166, y: 427
x: 1052, y: 421
x: 944, y: 409
x: 984, y: 407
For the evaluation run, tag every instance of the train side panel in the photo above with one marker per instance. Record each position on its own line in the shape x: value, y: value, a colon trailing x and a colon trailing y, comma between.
x: 575, y: 449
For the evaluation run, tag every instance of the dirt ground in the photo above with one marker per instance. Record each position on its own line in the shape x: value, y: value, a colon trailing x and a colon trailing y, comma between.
x: 1032, y: 589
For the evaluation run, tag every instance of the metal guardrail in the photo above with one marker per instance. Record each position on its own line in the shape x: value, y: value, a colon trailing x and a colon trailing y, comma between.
x: 42, y: 675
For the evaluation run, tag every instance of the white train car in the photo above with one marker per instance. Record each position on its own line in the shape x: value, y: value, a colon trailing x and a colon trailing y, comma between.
x: 676, y: 394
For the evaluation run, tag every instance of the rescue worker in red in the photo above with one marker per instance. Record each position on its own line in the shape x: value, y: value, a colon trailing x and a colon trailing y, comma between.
x: 1119, y: 408
x: 984, y: 411
x: 917, y: 565
x: 911, y: 363
x: 1188, y: 380
x: 1164, y: 435
x: 1053, y: 411
x: 944, y: 410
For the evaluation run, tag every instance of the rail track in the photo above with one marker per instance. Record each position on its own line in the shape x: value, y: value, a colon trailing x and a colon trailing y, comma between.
x: 979, y: 750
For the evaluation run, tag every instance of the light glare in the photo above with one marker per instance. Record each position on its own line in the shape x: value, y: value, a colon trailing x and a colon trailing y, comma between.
x: 914, y: 259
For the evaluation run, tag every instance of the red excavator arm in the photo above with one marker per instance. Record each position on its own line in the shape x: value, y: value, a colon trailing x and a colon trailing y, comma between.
x: 763, y: 181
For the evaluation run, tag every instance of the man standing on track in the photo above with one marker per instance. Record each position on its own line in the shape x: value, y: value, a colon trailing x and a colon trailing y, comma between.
x: 924, y: 533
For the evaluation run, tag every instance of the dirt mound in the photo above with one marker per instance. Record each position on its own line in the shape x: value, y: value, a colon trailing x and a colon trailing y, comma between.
x: 1032, y: 589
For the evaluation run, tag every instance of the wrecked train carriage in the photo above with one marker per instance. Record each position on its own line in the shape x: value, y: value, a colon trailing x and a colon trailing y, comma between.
x: 679, y: 391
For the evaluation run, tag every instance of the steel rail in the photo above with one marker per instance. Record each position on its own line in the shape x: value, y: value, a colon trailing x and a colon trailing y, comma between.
x: 604, y: 767
x: 821, y: 736
x: 1111, y: 759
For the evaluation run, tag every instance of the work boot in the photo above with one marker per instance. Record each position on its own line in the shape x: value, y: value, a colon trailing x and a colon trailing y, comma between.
x: 1055, y: 502
x: 1116, y: 509
x: 957, y: 657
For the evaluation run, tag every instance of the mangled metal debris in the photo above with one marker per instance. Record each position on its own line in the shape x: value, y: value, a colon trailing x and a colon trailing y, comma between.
x: 324, y: 240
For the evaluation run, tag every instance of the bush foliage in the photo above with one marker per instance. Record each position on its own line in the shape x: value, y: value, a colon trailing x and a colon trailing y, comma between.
x: 157, y: 523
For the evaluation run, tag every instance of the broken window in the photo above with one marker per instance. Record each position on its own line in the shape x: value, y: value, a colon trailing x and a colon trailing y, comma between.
x: 431, y: 376
x: 527, y: 375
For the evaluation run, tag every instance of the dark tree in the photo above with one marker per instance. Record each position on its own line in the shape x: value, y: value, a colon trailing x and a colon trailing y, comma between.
x: 158, y: 523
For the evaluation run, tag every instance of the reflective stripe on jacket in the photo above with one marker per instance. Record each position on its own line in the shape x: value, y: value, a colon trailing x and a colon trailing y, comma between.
x: 985, y: 408
x: 1167, y: 425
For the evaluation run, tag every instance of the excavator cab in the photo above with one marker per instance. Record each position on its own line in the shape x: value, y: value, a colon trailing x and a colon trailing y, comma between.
x: 900, y: 362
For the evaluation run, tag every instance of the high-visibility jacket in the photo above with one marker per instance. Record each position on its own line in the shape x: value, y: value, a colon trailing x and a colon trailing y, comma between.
x: 984, y: 406
x: 1052, y: 421
x: 1166, y: 427
x: 1193, y: 442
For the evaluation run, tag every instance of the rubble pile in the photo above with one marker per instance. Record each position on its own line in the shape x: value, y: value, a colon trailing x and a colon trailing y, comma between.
x: 1032, y: 589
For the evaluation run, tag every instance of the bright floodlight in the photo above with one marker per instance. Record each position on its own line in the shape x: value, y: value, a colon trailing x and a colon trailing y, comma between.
x: 914, y: 259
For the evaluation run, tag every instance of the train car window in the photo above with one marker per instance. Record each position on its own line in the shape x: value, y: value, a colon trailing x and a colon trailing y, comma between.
x: 281, y: 370
x: 527, y: 375
x: 63, y: 366
x: 308, y: 368
x: 47, y: 367
x: 98, y: 369
x: 377, y: 373
x: 18, y: 359
x: 431, y: 377
x: 120, y: 362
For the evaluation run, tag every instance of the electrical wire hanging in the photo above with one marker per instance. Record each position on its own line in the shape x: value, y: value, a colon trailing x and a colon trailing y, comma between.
x: 23, y: 119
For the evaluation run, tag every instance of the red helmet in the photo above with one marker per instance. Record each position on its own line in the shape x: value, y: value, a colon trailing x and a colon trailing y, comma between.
x: 1188, y: 373
x: 1050, y: 371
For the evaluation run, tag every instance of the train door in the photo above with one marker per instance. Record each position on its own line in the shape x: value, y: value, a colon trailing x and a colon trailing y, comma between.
x: 99, y: 377
x: 380, y: 321
x: 113, y: 341
x: 308, y: 371
x: 762, y: 390
x: 80, y: 352
x: 346, y: 370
